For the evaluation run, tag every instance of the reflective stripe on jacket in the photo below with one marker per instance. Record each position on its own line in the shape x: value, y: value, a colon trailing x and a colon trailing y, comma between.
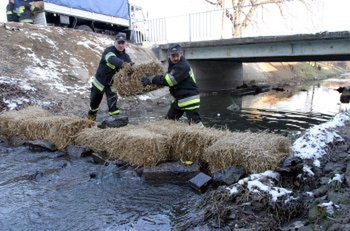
x: 110, y: 63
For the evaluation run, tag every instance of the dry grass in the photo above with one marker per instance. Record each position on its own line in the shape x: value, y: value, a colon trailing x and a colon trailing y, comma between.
x: 128, y: 79
x: 255, y: 152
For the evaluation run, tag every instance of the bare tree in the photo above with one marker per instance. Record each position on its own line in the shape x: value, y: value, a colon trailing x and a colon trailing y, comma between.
x: 242, y: 11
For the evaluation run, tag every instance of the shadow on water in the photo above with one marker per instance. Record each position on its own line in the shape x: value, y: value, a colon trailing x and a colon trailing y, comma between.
x: 56, y: 193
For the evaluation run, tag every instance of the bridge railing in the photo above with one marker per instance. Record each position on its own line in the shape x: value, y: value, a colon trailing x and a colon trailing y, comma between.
x: 215, y: 25
x: 185, y: 28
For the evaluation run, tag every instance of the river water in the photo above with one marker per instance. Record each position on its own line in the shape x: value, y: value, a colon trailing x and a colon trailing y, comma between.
x: 50, y: 191
x: 281, y: 112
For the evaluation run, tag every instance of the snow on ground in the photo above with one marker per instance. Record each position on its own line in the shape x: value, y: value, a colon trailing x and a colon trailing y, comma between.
x: 329, y: 207
x: 337, y: 177
x: 23, y: 84
x: 42, y: 38
x: 316, y: 140
x: 14, y: 103
x: 262, y: 182
x: 312, y: 145
x: 49, y: 72
x: 98, y: 45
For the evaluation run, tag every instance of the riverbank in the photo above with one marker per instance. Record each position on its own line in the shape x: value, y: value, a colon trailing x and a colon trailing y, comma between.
x: 310, y: 194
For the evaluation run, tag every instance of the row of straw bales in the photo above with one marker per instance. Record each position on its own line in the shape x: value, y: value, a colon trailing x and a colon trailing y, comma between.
x: 161, y: 141
x: 128, y: 80
x: 152, y: 143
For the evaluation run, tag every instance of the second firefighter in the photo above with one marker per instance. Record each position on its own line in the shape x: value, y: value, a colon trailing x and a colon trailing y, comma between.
x: 112, y: 60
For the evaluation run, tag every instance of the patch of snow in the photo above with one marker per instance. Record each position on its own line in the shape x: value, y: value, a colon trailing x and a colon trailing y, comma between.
x: 264, y: 182
x: 329, y: 207
x: 48, y: 76
x: 35, y: 59
x: 308, y: 170
x: 233, y: 190
x: 277, y: 192
x: 144, y: 97
x: 337, y: 177
x: 105, y: 41
x: 43, y: 38
x: 309, y: 194
x: 14, y: 103
x: 290, y: 198
x: 23, y: 84
x: 314, y: 143
x: 91, y: 45
x: 252, y: 185
x: 25, y: 48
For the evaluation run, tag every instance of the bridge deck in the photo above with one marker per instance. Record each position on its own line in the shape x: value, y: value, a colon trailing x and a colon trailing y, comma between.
x: 301, y: 47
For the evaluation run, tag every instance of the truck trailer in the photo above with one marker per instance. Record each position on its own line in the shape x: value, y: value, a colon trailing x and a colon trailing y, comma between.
x: 103, y: 16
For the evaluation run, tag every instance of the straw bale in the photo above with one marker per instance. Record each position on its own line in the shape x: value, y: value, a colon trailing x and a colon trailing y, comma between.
x: 12, y: 122
x: 255, y: 152
x: 128, y: 80
x: 140, y: 147
x: 60, y: 130
x: 167, y: 128
x: 134, y: 145
x: 190, y: 143
x: 97, y: 139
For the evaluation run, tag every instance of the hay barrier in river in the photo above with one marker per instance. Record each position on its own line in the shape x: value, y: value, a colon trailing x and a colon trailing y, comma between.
x: 128, y: 80
x: 134, y: 145
x: 152, y: 143
x: 255, y: 152
x: 34, y: 123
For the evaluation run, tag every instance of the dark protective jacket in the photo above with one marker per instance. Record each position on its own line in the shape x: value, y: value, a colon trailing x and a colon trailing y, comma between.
x: 25, y: 12
x: 182, y: 84
x: 111, y: 62
x: 11, y: 13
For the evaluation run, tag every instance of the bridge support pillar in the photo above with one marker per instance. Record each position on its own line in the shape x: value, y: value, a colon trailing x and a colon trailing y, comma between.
x: 217, y: 75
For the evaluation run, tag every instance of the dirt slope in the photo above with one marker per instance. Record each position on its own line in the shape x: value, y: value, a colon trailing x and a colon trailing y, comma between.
x: 52, y: 66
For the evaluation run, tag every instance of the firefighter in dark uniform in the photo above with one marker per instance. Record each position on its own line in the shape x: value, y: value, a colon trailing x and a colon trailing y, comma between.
x: 182, y: 86
x: 11, y: 12
x: 25, y: 12
x: 113, y: 58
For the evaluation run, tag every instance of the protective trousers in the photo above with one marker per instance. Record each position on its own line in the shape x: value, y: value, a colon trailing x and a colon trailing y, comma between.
x: 96, y: 98
x: 175, y: 113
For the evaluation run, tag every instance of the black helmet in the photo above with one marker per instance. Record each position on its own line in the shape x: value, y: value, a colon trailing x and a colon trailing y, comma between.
x: 174, y: 48
x: 120, y: 37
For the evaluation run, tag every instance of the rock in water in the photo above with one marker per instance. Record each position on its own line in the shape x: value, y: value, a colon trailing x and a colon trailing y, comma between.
x: 114, y: 122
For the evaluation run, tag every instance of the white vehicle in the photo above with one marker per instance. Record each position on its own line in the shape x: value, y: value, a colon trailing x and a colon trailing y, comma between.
x: 104, y: 16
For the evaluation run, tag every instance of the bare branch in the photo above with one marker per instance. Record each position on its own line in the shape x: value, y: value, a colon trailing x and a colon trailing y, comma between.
x: 243, y: 11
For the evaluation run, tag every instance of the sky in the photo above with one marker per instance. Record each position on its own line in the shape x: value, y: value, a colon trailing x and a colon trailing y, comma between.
x: 326, y: 15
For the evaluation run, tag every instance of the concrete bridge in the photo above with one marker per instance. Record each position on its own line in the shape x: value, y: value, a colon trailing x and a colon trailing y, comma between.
x: 218, y: 63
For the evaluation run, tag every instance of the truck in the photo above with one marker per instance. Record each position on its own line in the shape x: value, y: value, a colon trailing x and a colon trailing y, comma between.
x: 102, y: 16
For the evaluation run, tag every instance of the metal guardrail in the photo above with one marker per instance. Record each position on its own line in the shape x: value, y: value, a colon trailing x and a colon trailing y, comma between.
x: 213, y: 25
x: 184, y: 28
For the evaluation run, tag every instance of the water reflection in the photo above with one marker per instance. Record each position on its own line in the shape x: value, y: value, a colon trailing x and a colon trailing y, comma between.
x: 281, y: 112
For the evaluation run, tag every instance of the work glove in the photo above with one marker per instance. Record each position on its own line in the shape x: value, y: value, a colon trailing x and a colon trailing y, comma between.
x: 147, y: 80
